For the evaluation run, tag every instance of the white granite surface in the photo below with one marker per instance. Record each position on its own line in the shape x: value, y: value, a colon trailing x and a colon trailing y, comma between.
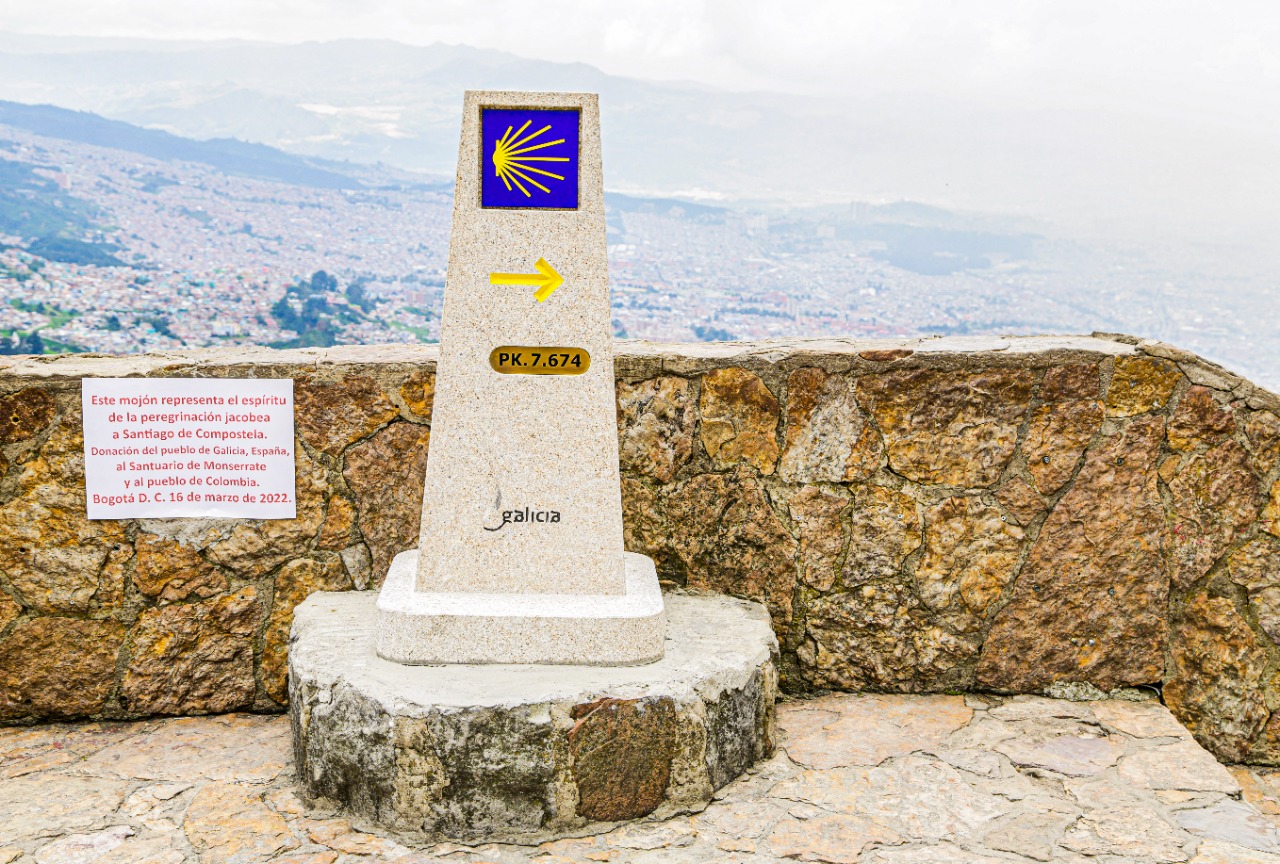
x: 506, y: 442
x: 428, y: 627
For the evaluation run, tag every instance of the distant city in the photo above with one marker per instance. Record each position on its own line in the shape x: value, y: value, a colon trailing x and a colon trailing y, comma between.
x: 130, y: 247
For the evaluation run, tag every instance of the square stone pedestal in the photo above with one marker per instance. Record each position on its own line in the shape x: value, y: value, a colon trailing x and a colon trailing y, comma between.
x: 424, y: 628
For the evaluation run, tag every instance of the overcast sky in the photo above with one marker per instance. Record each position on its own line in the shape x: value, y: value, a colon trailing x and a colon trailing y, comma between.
x: 1196, y: 83
x: 1170, y: 55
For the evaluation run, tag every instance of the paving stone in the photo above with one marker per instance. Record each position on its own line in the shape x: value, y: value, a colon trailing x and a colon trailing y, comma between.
x: 1182, y: 765
x: 1178, y: 798
x: 1235, y: 822
x: 836, y: 838
x: 338, y: 835
x: 1038, y: 708
x: 746, y: 819
x: 33, y: 761
x: 570, y: 847
x: 1072, y: 755
x: 243, y: 747
x: 653, y: 835
x: 981, y: 762
x: 1120, y: 821
x: 1257, y: 789
x: 26, y: 750
x: 327, y: 857
x: 866, y: 730
x: 944, y: 853
x: 1034, y: 832
x: 1138, y: 719
x: 911, y: 780
x: 227, y: 823
x: 162, y: 849
x: 919, y: 797
x: 687, y: 855
x: 984, y: 732
x: 286, y: 801
x: 83, y: 848
x: 32, y: 807
x: 160, y: 806
x: 1218, y: 852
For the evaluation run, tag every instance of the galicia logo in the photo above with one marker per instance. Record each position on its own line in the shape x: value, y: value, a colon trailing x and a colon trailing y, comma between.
x: 518, y: 517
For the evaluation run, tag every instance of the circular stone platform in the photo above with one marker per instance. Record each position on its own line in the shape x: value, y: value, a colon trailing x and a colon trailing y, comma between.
x: 528, y: 753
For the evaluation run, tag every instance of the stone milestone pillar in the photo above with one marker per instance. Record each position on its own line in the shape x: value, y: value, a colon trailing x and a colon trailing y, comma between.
x: 404, y: 709
x: 520, y: 558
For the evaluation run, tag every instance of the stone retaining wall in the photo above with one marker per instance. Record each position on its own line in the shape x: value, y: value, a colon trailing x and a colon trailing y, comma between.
x: 1059, y: 515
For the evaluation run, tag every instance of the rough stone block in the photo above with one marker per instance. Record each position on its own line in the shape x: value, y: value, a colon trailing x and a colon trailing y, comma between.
x: 522, y: 752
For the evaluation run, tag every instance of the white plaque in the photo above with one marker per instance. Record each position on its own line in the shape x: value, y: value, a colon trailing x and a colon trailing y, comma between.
x: 181, y: 447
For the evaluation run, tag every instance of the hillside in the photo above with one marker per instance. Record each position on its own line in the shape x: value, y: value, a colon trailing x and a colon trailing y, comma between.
x: 224, y: 154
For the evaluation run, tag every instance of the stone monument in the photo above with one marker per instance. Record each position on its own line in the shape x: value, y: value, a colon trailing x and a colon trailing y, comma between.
x: 520, y: 676
x: 521, y: 558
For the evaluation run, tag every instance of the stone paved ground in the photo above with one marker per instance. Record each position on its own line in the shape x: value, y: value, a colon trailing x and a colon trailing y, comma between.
x: 867, y: 779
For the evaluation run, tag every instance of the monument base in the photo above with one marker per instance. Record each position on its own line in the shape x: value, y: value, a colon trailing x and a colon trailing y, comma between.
x: 528, y: 753
x: 423, y: 628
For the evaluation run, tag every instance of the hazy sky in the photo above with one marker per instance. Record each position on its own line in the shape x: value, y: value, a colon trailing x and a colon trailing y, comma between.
x: 1162, y: 110
x: 1171, y: 55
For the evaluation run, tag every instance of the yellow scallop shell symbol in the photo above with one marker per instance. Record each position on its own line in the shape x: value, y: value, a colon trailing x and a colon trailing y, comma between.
x: 512, y: 164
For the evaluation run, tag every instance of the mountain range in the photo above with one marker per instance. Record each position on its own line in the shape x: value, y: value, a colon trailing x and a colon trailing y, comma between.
x: 1102, y: 172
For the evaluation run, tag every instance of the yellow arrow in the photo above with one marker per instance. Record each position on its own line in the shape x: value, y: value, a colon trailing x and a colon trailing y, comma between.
x: 547, y: 279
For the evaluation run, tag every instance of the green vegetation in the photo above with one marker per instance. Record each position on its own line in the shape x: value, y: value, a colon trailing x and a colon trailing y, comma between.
x: 712, y: 334
x: 199, y: 215
x: 24, y: 343
x: 357, y: 297
x: 12, y: 273
x: 69, y: 251
x: 423, y: 333
x: 32, y: 205
x: 57, y: 315
x: 32, y: 342
x: 161, y: 325
x: 19, y: 342
x: 54, y: 346
x: 153, y: 183
x: 305, y: 309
